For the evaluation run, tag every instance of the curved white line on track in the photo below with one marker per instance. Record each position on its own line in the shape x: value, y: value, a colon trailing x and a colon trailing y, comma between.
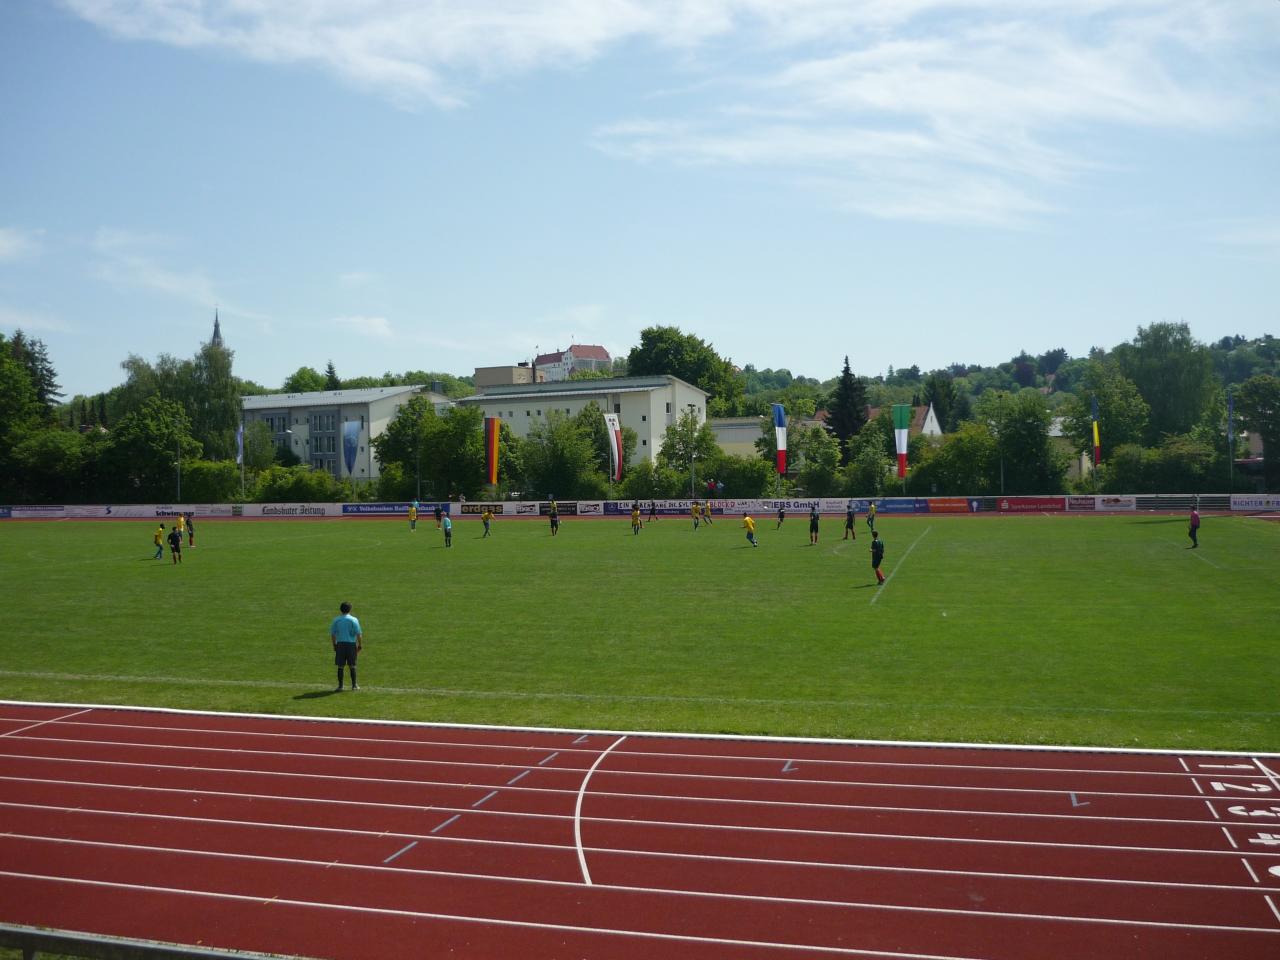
x: 577, y: 812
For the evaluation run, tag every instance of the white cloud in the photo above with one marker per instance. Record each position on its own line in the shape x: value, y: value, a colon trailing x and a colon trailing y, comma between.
x: 129, y: 259
x: 994, y: 103
x: 12, y: 318
x: 1256, y: 239
x: 18, y: 244
x: 377, y: 327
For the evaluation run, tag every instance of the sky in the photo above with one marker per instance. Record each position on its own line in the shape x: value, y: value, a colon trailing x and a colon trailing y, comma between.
x: 394, y: 185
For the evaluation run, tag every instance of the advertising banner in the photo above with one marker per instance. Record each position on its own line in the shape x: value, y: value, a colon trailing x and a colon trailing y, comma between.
x: 350, y: 444
x: 591, y: 508
x: 1116, y: 503
x: 946, y: 505
x: 295, y: 510
x: 1239, y: 501
x: 5, y: 514
x: 1081, y: 503
x: 901, y: 505
x: 1031, y: 504
x: 524, y: 508
x: 37, y: 512
x: 377, y: 509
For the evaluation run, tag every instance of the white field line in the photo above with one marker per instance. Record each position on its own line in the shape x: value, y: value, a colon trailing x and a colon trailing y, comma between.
x: 665, y: 754
x: 32, y: 726
x: 666, y: 734
x: 447, y: 692
x: 885, y: 586
x: 625, y: 852
x: 577, y: 811
x: 886, y: 785
x: 633, y: 822
x: 857, y: 905
x: 495, y: 921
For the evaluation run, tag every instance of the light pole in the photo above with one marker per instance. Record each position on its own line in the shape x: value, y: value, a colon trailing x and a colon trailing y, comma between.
x: 693, y: 450
x: 417, y: 453
x: 177, y: 444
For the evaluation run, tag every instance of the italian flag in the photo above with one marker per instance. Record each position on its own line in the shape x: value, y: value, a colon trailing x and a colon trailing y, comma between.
x: 901, y: 422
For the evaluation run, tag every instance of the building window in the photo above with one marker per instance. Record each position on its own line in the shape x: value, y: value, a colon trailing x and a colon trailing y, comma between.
x: 526, y: 413
x: 566, y: 409
x: 668, y: 408
x: 644, y: 443
x: 644, y: 418
x: 617, y: 408
x: 539, y: 413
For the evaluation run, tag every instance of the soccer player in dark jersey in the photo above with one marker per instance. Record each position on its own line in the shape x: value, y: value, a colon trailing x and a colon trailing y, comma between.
x: 850, y: 515
x: 439, y: 511
x: 191, y: 530
x: 877, y: 556
x: 813, y: 524
x: 553, y: 513
x: 782, y: 515
x: 175, y: 545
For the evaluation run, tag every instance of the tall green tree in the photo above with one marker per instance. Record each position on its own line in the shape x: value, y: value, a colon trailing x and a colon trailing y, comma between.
x: 847, y: 410
x: 1173, y: 372
x: 1122, y: 413
x: 213, y: 401
x: 667, y: 350
x: 1029, y: 462
x: 819, y: 454
x: 304, y: 380
x: 940, y: 391
x: 147, y: 449
x: 560, y: 460
x: 1257, y: 403
x: 689, y: 446
x: 331, y: 381
x: 34, y: 357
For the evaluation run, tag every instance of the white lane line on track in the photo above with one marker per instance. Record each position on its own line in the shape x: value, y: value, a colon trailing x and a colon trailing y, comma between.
x: 849, y: 905
x: 524, y: 773
x: 440, y: 826
x: 876, y: 808
x: 1272, y: 904
x: 1230, y: 839
x: 1184, y: 765
x: 860, y: 784
x: 495, y: 921
x: 661, y: 855
x: 577, y: 811
x: 1211, y: 810
x: 32, y: 726
x: 1269, y: 774
x: 470, y: 745
x: 488, y: 796
x: 885, y: 586
x: 632, y: 822
x: 1249, y: 866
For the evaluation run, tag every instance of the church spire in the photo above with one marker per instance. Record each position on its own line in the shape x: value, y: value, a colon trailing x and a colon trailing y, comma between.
x: 217, y: 331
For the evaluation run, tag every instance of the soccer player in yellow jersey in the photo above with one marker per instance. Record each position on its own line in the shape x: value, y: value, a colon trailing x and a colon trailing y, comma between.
x: 181, y: 525
x: 695, y: 511
x: 413, y: 517
x: 750, y: 526
x: 706, y: 512
x: 158, y: 539
x: 487, y: 517
x: 635, y: 518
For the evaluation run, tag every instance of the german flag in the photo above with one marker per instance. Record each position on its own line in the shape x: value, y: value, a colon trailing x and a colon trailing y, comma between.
x: 491, y: 430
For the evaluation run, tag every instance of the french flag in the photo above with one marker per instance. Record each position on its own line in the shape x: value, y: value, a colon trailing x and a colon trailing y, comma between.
x: 780, y: 431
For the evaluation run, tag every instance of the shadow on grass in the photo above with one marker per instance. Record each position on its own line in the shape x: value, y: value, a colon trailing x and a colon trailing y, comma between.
x: 864, y: 586
x: 316, y: 694
x: 1181, y: 520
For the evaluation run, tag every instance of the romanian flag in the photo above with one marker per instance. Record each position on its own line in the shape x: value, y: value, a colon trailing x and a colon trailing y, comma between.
x: 491, y: 425
x: 1097, y: 445
x: 615, y: 445
x: 901, y: 423
x: 780, y: 433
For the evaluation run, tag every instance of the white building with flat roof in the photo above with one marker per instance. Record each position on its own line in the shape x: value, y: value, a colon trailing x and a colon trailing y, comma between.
x: 331, y: 429
x: 648, y: 405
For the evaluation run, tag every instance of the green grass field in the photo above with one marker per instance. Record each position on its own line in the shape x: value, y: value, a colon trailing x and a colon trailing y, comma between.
x: 1088, y: 630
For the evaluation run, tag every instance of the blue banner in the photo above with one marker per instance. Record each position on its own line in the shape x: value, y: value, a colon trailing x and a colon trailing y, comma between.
x: 350, y: 444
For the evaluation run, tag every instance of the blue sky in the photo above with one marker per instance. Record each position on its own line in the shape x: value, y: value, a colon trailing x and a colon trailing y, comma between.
x: 396, y: 185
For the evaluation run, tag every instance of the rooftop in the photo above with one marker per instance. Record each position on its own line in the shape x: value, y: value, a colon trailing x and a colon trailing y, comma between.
x: 578, y: 387
x: 333, y: 398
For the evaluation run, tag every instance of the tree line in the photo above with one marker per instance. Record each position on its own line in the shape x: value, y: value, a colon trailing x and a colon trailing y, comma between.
x: 1161, y: 399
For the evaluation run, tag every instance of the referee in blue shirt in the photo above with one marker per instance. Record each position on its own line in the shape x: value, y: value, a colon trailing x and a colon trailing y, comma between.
x: 347, y: 642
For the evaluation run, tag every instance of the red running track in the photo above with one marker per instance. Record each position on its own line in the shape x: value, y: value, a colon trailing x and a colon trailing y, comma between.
x: 367, y: 840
